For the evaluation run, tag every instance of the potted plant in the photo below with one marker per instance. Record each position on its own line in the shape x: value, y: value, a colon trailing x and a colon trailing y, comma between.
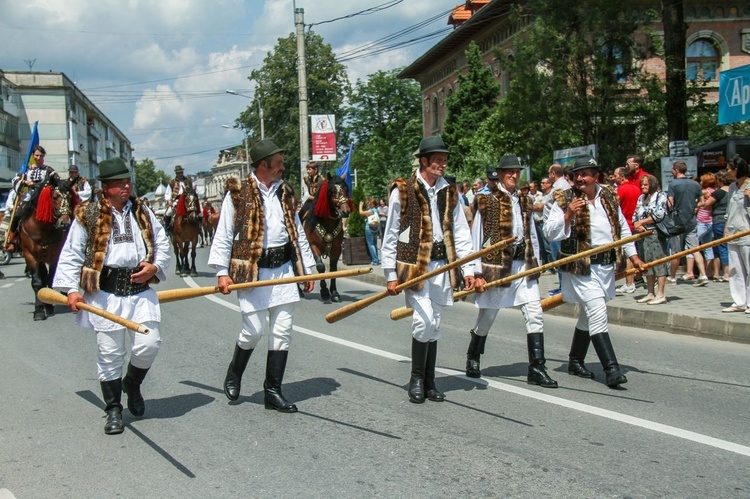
x: 355, y: 248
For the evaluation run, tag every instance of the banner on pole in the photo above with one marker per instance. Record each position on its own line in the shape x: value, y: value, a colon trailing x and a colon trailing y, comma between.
x: 323, y: 131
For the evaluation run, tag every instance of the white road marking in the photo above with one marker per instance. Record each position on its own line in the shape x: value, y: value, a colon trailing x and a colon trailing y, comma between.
x: 542, y: 397
x: 7, y: 285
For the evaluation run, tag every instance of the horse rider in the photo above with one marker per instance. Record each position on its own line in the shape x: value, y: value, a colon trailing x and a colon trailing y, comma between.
x: 425, y: 229
x: 176, y: 190
x: 24, y: 185
x: 79, y: 185
x: 115, y: 249
x: 310, y: 187
x: 501, y: 214
x: 270, y: 245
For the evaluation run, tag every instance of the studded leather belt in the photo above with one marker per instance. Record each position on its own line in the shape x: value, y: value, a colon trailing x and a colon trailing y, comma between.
x: 116, y: 280
x: 272, y: 258
x: 604, y: 258
x: 438, y: 251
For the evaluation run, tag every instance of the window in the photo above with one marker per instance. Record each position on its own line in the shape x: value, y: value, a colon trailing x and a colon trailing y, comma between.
x: 615, y: 57
x: 702, y: 61
x: 434, y: 111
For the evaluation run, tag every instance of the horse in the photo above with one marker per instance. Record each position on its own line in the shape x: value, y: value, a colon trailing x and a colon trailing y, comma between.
x: 210, y: 222
x: 43, y: 234
x: 324, y: 229
x: 187, y: 222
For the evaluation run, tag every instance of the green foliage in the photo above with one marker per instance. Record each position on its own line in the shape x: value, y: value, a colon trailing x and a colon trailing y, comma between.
x: 470, y: 105
x: 277, y: 90
x: 385, y: 123
x: 147, y: 178
x: 355, y: 225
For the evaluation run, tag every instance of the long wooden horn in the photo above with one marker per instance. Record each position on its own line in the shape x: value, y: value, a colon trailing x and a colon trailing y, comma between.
x: 402, y: 312
x: 554, y: 301
x: 350, y: 309
x: 169, y: 295
x: 52, y: 297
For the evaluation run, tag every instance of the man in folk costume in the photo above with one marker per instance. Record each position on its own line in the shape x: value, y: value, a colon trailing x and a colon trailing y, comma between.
x: 115, y: 248
x: 501, y: 214
x: 175, y: 194
x: 79, y: 185
x: 260, y: 238
x: 425, y: 229
x: 310, y: 187
x: 584, y: 217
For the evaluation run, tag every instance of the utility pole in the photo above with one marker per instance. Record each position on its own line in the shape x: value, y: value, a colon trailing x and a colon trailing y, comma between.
x: 304, y: 148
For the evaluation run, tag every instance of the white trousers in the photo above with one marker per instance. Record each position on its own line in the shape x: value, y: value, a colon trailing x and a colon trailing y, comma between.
x: 112, y: 350
x: 254, y: 326
x: 593, y: 316
x: 532, y: 314
x: 739, y: 274
x: 425, y: 322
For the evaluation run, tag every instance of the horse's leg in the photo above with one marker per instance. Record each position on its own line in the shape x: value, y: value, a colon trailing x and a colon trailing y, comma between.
x: 325, y: 295
x: 185, y: 262
x: 193, y: 270
x: 37, y: 283
x: 176, y: 247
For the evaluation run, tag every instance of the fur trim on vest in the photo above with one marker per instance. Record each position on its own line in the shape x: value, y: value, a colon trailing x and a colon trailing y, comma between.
x: 97, y: 220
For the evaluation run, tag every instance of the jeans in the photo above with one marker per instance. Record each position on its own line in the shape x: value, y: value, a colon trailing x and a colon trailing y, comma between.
x: 706, y: 235
x: 371, y: 239
x: 721, y: 249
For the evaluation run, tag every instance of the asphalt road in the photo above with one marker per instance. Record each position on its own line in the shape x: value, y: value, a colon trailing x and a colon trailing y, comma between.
x: 679, y: 429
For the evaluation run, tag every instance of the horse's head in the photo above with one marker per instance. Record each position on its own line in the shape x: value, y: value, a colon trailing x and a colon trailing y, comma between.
x: 55, y: 203
x: 338, y: 195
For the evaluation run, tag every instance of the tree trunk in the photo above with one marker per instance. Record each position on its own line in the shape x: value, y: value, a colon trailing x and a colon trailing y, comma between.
x: 673, y: 19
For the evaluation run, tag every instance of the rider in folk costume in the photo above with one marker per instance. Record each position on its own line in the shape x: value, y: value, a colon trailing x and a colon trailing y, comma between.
x: 115, y: 249
x: 260, y: 238
x: 23, y: 186
x: 501, y: 214
x: 310, y: 187
x: 425, y: 229
x: 80, y: 185
x: 175, y: 193
x: 584, y: 217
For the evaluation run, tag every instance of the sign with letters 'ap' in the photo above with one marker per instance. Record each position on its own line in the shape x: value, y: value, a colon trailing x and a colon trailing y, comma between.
x: 734, y: 95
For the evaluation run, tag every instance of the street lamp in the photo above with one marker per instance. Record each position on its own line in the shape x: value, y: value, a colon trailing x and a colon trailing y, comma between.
x: 260, y: 112
x: 247, y: 152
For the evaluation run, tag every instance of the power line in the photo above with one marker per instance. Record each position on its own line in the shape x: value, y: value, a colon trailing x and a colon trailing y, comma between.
x: 366, y: 12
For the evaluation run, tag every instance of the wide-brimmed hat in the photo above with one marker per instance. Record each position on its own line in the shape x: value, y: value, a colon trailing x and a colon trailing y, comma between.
x: 509, y: 161
x: 72, y: 168
x: 264, y: 149
x: 113, y: 169
x: 429, y: 145
x: 582, y: 162
x: 492, y: 174
x: 178, y: 169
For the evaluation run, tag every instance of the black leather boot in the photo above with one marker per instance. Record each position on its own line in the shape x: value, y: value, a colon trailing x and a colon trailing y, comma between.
x: 275, y: 367
x: 606, y: 353
x: 131, y: 385
x: 537, y: 373
x: 476, y: 349
x: 429, y: 374
x: 418, y: 364
x: 578, y: 349
x: 233, y: 380
x: 111, y: 392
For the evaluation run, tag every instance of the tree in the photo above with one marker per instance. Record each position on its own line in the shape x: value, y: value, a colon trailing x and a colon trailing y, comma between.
x: 385, y: 123
x: 147, y: 178
x: 673, y: 20
x: 471, y: 104
x: 277, y: 90
x: 355, y: 225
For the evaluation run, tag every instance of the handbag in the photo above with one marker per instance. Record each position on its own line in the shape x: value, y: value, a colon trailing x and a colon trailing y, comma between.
x: 671, y: 225
x: 373, y: 220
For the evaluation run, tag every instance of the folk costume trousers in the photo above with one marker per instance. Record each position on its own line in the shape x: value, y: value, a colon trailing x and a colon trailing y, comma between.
x: 532, y: 314
x: 278, y: 320
x: 112, y: 350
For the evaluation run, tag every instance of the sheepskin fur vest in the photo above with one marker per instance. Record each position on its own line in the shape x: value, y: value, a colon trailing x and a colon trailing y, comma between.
x: 313, y: 183
x: 497, y: 224
x: 580, y: 229
x: 96, y: 218
x: 249, y: 227
x: 175, y: 185
x: 414, y: 245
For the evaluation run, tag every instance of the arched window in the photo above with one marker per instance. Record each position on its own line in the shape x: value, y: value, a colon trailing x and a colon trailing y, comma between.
x: 435, y: 110
x: 703, y: 60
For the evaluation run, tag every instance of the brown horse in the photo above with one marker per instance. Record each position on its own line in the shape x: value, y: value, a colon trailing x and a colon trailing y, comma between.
x: 42, y: 233
x: 187, y: 223
x: 324, y: 229
x: 210, y: 222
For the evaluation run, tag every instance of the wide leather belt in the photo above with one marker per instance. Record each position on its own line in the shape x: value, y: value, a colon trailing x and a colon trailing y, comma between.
x: 519, y: 251
x: 117, y: 281
x: 438, y: 251
x: 604, y: 258
x: 272, y: 258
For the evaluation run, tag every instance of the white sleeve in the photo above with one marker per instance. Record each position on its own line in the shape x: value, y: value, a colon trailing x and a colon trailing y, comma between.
x: 555, y: 228
x: 221, y: 246
x: 390, y: 236
x: 70, y: 263
x: 85, y: 193
x: 162, y: 248
x: 462, y: 239
x: 477, y: 236
x: 308, y: 260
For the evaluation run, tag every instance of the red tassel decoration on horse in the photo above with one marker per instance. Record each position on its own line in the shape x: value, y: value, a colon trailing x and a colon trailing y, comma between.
x: 181, y: 208
x: 45, y: 210
x: 322, y: 208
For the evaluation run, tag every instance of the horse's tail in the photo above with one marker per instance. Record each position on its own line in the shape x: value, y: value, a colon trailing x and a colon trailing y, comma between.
x: 322, y: 207
x: 45, y: 210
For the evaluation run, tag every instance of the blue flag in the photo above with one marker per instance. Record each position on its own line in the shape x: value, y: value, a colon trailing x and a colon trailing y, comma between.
x: 344, y: 171
x: 32, y: 144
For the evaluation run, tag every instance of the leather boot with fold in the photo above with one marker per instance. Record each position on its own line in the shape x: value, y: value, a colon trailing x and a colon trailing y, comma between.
x: 606, y: 353
x: 578, y: 349
x: 431, y: 390
x: 111, y: 392
x: 275, y: 367
x: 418, y: 365
x: 131, y: 385
x: 237, y: 366
x: 537, y: 373
x: 476, y: 349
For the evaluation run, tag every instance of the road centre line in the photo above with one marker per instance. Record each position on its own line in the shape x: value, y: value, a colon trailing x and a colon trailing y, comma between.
x: 524, y: 392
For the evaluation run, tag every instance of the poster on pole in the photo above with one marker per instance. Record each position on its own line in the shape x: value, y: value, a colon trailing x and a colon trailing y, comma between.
x: 323, y: 131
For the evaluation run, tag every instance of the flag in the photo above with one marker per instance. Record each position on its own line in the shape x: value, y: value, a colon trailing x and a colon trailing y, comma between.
x: 32, y: 144
x: 344, y: 170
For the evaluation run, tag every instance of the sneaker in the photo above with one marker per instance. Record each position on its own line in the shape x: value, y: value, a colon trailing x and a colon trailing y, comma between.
x: 625, y: 289
x: 701, y: 281
x: 734, y: 308
x: 554, y: 292
x: 646, y: 298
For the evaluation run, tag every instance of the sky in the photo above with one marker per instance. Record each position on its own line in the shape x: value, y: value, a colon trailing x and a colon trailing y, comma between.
x: 159, y: 70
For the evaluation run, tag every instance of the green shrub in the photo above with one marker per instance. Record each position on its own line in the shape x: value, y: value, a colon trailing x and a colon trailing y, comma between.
x: 355, y: 226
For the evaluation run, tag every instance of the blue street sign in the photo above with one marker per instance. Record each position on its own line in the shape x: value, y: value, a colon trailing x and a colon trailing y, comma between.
x: 734, y: 95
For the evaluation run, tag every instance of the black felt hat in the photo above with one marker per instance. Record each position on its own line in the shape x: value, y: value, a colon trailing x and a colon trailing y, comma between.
x: 113, y: 169
x: 264, y: 149
x: 509, y: 161
x: 429, y: 145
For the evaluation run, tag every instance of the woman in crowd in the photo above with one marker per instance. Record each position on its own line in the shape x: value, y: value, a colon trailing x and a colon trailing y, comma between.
x: 704, y: 218
x: 717, y: 202
x: 651, y: 208
x: 372, y: 228
x: 738, y: 220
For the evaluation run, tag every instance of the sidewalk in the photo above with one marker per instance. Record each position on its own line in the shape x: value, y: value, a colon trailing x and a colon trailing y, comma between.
x: 690, y: 310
